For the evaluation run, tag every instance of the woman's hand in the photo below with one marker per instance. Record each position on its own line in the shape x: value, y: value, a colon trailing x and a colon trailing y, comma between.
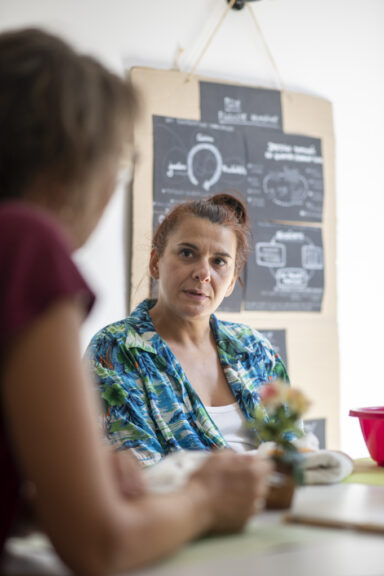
x: 127, y: 472
x: 236, y: 486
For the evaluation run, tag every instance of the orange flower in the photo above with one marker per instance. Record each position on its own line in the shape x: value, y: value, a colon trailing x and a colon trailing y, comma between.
x: 297, y: 401
x: 278, y: 393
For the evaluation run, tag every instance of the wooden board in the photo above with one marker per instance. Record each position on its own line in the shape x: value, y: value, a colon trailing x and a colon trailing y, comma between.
x: 312, y: 337
x: 340, y: 506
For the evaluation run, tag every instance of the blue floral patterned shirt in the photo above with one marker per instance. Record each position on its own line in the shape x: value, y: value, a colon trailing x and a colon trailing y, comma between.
x: 150, y: 406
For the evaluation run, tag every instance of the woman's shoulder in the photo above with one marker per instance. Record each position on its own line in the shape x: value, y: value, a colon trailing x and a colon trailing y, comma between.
x: 130, y: 330
x: 119, y: 330
x: 38, y: 270
x: 21, y: 222
x: 113, y: 332
x: 239, y: 328
x: 241, y: 331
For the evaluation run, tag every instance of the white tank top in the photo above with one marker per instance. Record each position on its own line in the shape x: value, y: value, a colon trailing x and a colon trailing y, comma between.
x: 232, y: 424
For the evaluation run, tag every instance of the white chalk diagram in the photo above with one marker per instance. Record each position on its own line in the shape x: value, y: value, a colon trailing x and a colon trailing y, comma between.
x: 286, y: 187
x: 203, y: 165
x: 273, y: 255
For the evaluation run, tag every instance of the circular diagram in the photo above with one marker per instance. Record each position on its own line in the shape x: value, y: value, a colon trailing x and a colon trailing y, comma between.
x: 204, y: 165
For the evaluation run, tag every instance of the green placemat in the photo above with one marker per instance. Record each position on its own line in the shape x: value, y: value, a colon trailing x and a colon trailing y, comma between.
x: 366, y: 472
x: 255, y: 540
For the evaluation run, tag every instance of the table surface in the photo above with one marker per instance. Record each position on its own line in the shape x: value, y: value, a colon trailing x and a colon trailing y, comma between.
x: 269, y: 545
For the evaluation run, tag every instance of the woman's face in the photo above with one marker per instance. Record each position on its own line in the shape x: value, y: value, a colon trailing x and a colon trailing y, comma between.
x: 197, y: 268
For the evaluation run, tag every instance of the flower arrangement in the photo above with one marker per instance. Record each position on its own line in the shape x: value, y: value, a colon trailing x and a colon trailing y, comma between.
x: 277, y: 419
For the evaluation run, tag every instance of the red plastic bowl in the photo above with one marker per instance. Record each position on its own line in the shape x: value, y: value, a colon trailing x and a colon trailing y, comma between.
x: 372, y: 426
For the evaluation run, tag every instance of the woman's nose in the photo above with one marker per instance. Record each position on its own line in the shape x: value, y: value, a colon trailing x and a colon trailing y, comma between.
x: 202, y: 273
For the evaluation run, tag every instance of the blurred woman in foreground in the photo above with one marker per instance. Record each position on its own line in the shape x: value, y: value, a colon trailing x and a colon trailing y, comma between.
x: 65, y: 122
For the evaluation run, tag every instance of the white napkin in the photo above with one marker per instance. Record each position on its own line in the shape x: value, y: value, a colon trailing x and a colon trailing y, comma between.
x: 320, y: 467
x: 174, y: 470
x: 326, y: 467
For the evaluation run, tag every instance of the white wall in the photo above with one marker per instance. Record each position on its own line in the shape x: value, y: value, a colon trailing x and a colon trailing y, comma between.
x: 333, y: 49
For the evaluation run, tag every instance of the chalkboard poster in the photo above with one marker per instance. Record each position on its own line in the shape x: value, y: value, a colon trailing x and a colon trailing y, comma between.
x: 286, y: 270
x: 194, y: 160
x: 313, y: 344
x: 279, y: 174
x: 317, y: 426
x: 240, y: 105
x: 284, y: 175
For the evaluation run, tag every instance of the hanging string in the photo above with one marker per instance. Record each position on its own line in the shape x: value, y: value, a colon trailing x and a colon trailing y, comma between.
x: 211, y: 37
x: 258, y: 27
x: 253, y: 15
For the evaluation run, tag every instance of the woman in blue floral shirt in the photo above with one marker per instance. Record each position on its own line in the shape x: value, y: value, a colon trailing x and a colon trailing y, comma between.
x: 172, y: 375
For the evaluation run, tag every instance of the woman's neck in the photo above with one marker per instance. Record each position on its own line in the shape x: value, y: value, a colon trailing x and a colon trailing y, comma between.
x: 194, y: 332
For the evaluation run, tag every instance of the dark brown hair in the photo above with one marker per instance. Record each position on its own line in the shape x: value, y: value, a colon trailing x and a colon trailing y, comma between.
x: 61, y: 112
x: 222, y: 209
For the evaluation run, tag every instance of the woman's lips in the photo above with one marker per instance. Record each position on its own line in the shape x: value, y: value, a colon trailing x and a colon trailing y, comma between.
x: 196, y: 294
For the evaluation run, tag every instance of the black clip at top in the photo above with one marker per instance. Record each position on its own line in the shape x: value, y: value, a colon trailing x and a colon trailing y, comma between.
x: 239, y: 4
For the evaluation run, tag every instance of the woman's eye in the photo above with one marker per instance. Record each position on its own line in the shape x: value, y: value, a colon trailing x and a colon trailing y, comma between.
x: 186, y: 253
x: 220, y: 262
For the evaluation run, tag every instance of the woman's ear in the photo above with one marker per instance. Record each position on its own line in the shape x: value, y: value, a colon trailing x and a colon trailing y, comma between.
x: 154, y: 265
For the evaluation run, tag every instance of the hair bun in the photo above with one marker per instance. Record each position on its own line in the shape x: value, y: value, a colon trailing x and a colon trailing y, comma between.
x: 232, y: 203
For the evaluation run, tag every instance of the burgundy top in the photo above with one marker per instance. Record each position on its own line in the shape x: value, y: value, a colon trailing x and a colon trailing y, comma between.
x: 36, y: 271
